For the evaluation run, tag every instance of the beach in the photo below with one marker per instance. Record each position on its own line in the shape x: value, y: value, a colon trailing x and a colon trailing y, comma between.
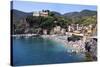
x: 77, y: 46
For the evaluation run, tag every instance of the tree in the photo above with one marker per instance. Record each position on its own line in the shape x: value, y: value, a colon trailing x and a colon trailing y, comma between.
x: 89, y: 20
x: 47, y: 23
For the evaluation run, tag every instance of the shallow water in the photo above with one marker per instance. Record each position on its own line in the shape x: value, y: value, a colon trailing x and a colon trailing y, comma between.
x: 36, y: 50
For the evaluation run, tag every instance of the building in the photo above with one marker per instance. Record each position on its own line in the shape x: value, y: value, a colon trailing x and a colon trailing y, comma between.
x: 45, y: 32
x: 44, y: 14
x: 57, y: 30
x: 40, y: 13
x: 63, y: 31
x: 36, y: 13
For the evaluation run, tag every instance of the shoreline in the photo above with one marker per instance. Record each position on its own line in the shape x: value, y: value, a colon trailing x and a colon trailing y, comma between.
x: 77, y: 46
x: 72, y: 46
x: 19, y: 35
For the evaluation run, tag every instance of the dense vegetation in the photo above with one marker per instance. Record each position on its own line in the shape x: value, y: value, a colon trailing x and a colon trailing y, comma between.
x: 26, y: 23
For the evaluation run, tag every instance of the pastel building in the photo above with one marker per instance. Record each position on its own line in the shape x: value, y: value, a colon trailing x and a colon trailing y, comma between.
x: 36, y: 13
x: 57, y: 29
x: 40, y: 13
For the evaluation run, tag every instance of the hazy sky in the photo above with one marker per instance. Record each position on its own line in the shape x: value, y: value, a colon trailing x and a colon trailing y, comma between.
x: 28, y: 6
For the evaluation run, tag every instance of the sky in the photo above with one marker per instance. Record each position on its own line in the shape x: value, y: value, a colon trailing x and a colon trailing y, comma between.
x: 29, y: 6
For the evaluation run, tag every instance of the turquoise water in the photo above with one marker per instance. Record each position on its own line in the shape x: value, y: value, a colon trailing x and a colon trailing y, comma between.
x: 36, y: 50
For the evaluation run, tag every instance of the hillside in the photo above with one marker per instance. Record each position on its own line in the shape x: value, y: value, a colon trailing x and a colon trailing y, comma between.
x: 24, y: 22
